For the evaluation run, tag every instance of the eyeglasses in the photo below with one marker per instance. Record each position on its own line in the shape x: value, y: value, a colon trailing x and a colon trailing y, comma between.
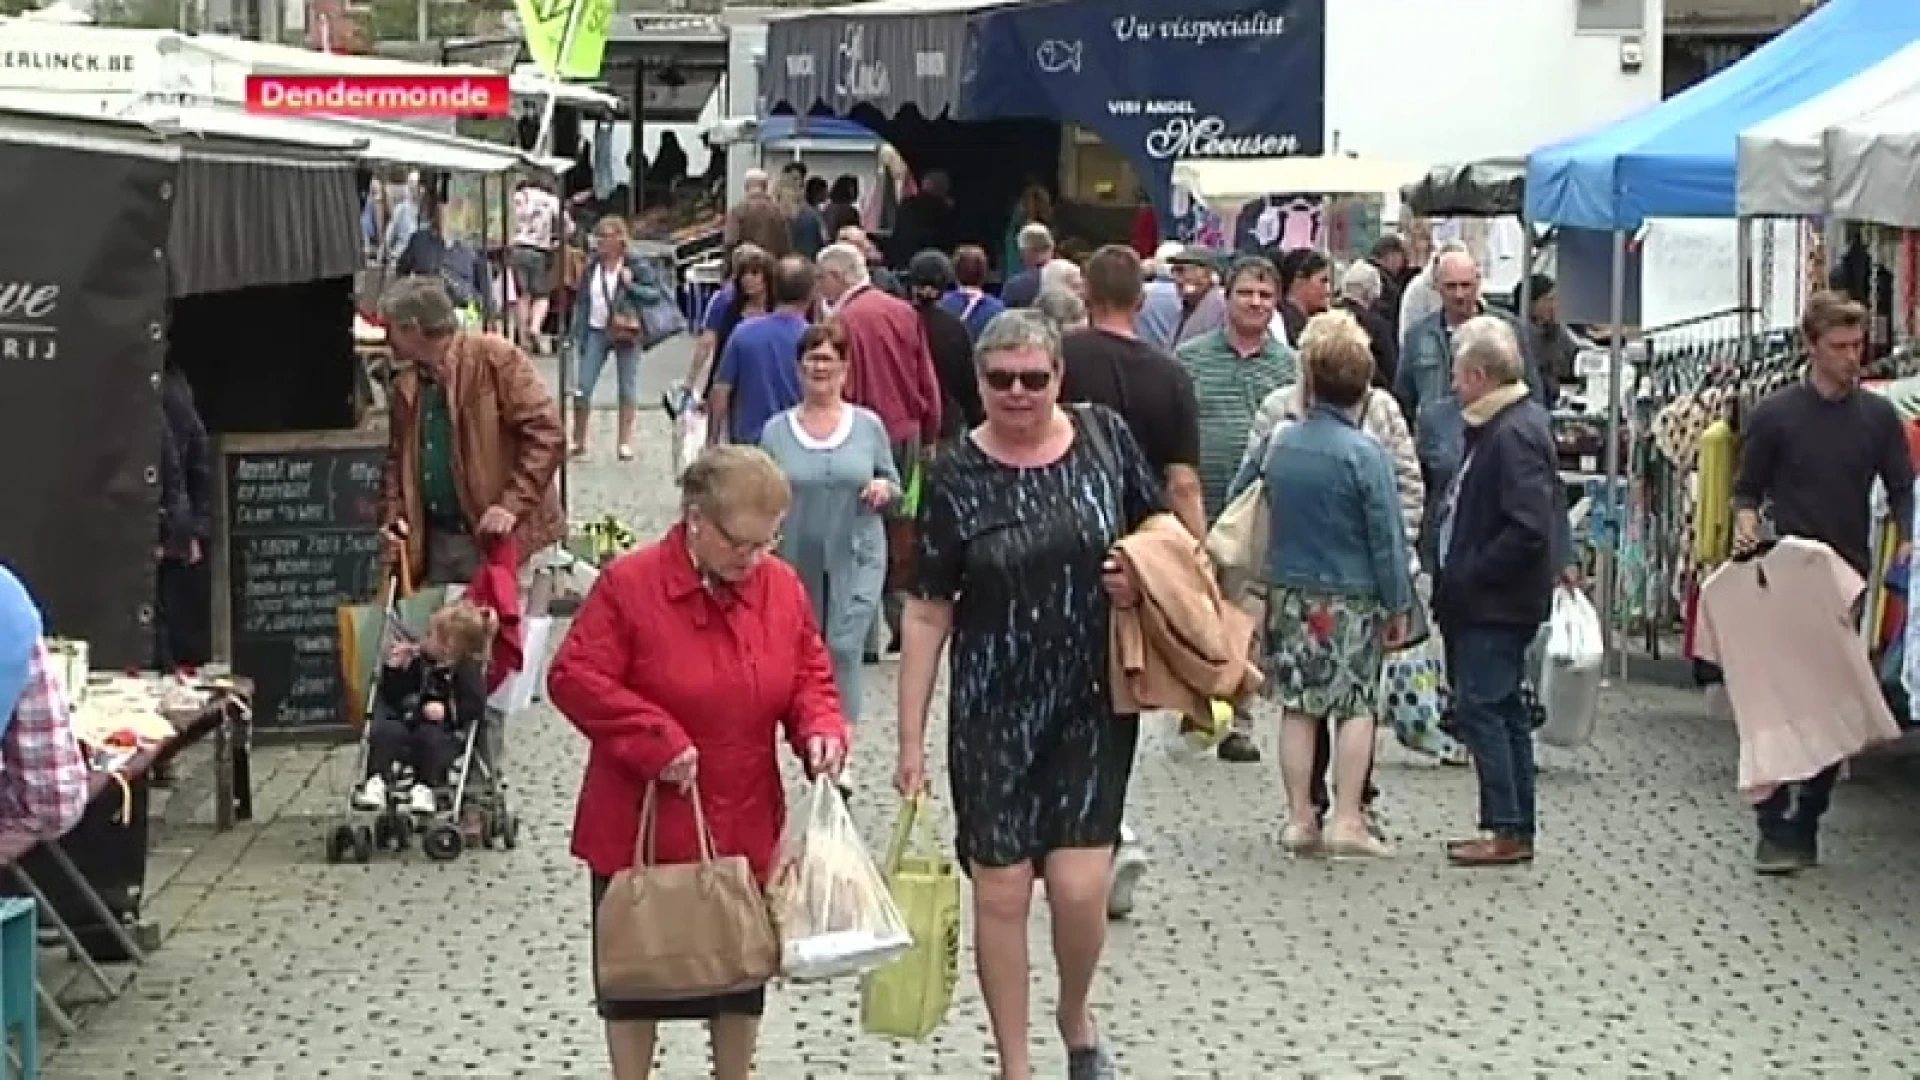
x: 1031, y: 380
x: 744, y: 547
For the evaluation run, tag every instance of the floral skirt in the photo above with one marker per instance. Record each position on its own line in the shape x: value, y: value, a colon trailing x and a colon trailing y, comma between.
x: 1324, y: 653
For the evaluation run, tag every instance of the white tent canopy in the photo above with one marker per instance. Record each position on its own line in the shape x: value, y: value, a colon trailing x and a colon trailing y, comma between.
x: 1874, y: 165
x: 1226, y: 185
x: 1782, y: 167
x: 196, y: 84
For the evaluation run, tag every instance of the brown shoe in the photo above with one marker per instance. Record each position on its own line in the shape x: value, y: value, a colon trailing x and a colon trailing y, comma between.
x: 1489, y: 851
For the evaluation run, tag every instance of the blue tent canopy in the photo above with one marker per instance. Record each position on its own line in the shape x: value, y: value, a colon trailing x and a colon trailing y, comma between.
x: 782, y: 127
x: 1676, y: 159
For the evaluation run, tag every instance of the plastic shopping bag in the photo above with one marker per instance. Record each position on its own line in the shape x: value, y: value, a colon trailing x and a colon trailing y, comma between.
x: 1574, y: 637
x: 830, y: 904
x: 689, y: 438
x: 1410, y: 696
x: 521, y: 687
x: 909, y: 998
x: 1571, y: 674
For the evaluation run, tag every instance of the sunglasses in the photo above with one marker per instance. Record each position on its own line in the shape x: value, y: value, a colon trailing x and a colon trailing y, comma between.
x: 1032, y: 381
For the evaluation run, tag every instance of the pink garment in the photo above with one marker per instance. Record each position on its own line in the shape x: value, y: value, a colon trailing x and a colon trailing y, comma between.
x: 1783, y: 629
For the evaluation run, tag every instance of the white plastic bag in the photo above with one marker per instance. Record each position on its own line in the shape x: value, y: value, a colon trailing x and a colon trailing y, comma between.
x: 1574, y: 637
x: 1571, y: 676
x: 830, y: 904
x: 521, y: 687
x: 689, y: 438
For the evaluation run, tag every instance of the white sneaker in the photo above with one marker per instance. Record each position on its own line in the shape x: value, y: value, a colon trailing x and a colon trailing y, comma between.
x: 421, y: 800
x: 371, y: 795
x: 1130, y: 864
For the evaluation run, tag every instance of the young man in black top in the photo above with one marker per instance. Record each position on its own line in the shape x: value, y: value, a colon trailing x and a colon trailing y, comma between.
x: 1811, y: 453
x: 1106, y: 364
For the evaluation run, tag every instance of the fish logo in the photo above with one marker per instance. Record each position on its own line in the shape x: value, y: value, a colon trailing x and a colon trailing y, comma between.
x: 1056, y: 56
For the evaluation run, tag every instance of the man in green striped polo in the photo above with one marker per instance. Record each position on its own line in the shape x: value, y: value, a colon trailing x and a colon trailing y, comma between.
x: 1233, y: 370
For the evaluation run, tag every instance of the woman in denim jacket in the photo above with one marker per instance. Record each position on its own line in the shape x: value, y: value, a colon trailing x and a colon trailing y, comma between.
x: 1339, y: 591
x: 618, y: 283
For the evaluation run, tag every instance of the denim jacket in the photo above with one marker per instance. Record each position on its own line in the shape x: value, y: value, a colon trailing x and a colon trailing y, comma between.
x: 1335, y: 512
x: 1424, y: 385
x: 643, y: 291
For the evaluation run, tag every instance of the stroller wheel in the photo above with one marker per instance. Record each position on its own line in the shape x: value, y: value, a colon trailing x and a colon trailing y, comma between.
x: 363, y: 844
x: 384, y: 834
x: 339, y: 843
x: 442, y: 842
x: 403, y: 830
x: 509, y: 827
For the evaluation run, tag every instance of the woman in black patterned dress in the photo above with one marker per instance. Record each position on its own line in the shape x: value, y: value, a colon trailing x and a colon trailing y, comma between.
x: 1015, y: 527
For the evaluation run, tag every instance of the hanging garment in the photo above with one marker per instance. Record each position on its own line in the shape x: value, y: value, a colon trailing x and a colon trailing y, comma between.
x: 1269, y: 226
x: 605, y: 179
x: 1300, y: 227
x: 1783, y: 628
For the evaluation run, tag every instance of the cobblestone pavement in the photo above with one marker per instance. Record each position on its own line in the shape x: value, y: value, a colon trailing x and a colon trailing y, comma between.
x: 1640, y: 944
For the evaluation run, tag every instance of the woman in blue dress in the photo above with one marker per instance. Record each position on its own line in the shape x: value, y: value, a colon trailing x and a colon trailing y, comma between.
x: 837, y: 458
x: 1016, y: 523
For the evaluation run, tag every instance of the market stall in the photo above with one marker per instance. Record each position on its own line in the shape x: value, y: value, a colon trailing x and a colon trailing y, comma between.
x: 1678, y: 160
x: 88, y: 882
x: 1338, y: 204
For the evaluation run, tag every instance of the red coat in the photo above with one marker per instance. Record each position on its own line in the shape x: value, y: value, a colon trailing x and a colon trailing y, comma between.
x: 655, y: 663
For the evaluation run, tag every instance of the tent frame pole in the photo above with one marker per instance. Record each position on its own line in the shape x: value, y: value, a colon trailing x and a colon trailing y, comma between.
x: 1610, y: 607
x: 1743, y: 290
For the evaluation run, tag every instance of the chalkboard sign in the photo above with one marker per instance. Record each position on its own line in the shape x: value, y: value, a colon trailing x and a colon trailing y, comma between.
x: 300, y: 537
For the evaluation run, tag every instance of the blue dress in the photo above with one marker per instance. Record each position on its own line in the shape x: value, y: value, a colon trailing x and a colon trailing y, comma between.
x: 1037, y: 759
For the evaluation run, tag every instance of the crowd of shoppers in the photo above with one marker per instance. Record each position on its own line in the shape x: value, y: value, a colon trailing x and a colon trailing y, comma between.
x: 1395, y: 425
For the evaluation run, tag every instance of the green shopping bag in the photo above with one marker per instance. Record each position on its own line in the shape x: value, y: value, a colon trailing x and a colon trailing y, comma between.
x: 908, y: 998
x: 910, y: 498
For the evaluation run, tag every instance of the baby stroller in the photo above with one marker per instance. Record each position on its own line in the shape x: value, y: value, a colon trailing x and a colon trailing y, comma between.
x: 477, y: 786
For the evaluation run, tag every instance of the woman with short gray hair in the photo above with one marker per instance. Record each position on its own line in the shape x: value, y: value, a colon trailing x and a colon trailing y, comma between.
x: 1015, y: 525
x: 1061, y: 308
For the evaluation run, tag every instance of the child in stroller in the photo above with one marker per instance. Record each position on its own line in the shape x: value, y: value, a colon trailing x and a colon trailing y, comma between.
x: 430, y: 693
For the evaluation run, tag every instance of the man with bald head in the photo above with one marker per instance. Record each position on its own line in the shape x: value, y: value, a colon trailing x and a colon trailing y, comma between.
x: 1424, y: 383
x: 758, y: 219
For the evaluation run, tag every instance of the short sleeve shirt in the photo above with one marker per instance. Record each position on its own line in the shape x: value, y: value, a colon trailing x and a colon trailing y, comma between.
x: 536, y: 216
x: 1229, y: 387
x: 1145, y: 385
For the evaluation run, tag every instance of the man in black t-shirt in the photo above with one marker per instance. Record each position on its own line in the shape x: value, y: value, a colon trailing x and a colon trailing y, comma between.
x: 1106, y: 364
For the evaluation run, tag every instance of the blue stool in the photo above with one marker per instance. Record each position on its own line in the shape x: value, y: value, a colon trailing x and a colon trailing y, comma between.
x: 19, y: 997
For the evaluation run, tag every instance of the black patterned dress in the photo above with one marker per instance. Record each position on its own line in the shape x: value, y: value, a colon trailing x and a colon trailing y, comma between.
x: 1037, y: 759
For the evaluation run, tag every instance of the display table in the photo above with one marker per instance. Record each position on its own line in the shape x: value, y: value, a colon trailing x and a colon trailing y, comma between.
x: 88, y: 883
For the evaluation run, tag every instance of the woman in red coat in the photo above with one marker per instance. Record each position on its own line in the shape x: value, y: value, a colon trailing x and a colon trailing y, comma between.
x: 689, y: 658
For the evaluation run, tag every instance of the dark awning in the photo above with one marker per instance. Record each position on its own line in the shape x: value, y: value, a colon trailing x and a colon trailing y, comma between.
x: 885, y: 54
x: 242, y: 223
x: 1494, y: 188
x: 246, y: 211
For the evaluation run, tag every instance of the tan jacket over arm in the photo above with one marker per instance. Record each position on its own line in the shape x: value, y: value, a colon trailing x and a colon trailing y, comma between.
x: 1183, y: 644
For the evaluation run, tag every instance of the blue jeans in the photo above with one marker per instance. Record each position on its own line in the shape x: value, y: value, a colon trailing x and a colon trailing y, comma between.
x: 1486, y: 665
x: 593, y: 359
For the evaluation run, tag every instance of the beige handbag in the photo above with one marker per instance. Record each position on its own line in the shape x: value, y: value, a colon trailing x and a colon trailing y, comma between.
x: 1237, y: 543
x: 683, y: 930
